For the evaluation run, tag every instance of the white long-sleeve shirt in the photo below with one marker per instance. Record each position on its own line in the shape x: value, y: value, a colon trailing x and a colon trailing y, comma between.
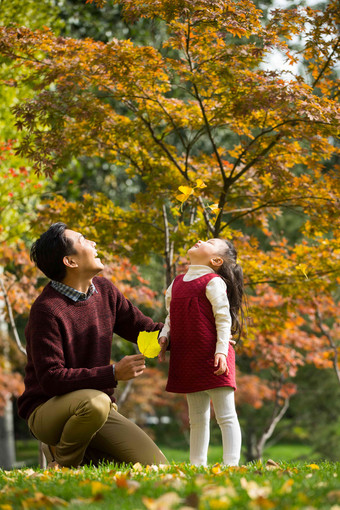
x: 216, y: 292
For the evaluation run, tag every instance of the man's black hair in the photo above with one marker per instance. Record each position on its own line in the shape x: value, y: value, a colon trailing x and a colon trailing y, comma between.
x: 48, y: 251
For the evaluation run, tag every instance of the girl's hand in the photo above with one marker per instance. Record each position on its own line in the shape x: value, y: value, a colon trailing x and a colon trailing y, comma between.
x: 221, y: 364
x: 163, y: 342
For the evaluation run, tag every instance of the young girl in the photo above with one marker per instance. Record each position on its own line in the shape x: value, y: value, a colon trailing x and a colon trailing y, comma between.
x: 203, y: 311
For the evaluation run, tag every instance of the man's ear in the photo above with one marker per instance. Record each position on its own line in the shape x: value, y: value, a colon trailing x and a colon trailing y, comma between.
x: 69, y: 261
x: 216, y: 261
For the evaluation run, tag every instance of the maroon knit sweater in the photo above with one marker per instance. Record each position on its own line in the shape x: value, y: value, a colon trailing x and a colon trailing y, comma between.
x: 69, y: 343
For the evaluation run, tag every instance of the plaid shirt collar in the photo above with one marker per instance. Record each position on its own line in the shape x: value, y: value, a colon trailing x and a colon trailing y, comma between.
x: 73, y: 294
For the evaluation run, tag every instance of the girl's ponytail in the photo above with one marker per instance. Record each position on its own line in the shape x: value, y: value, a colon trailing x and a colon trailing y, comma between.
x: 232, y: 274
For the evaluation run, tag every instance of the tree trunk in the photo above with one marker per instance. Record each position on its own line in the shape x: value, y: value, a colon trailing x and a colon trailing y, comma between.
x: 255, y: 445
x: 168, y: 249
x: 7, y: 445
x: 252, y: 451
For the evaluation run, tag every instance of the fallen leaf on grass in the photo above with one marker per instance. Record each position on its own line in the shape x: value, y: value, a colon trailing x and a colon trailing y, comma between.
x: 132, y: 486
x: 219, y: 504
x: 271, y: 464
x: 99, y: 488
x: 29, y: 472
x: 216, y: 469
x: 170, y: 480
x: 334, y: 496
x: 164, y: 502
x: 254, y: 490
x: 200, y: 480
x: 123, y: 482
x: 313, y: 466
x: 287, y: 486
x: 218, y: 496
x: 40, y: 500
x: 262, y: 504
x: 6, y: 507
x: 44, y: 476
x: 237, y: 469
x: 218, y: 491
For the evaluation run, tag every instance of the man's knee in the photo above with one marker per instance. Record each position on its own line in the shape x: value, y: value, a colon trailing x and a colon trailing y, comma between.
x: 96, y: 407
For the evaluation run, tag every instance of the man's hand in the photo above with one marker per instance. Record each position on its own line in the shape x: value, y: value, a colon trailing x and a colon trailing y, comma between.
x: 129, y: 367
x: 221, y: 363
x: 163, y: 342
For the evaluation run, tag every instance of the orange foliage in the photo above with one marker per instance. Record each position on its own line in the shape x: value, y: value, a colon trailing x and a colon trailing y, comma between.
x: 204, y: 109
x: 11, y: 384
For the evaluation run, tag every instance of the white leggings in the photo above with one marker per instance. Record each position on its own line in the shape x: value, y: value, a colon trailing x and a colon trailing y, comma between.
x: 199, y: 417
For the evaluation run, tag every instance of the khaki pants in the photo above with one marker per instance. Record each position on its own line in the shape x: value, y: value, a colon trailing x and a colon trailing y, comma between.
x: 85, y: 426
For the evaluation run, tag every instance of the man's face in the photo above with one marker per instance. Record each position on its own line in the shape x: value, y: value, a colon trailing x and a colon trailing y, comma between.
x: 85, y: 258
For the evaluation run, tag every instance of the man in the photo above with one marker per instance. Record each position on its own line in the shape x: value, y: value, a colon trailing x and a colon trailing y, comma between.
x: 69, y: 381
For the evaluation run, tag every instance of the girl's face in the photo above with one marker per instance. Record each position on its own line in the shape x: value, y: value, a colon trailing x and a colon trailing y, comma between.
x: 207, y: 253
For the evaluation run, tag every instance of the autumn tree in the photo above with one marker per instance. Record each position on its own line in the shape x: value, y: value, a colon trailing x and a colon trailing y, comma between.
x: 221, y: 146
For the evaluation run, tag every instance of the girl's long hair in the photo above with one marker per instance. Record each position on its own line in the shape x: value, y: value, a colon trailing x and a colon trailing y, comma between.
x: 232, y: 274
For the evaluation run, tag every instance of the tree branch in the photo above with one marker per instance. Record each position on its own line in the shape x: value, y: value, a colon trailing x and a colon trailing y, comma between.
x: 326, y: 64
x: 168, y: 247
x: 330, y: 340
x: 206, y: 216
x: 276, y: 417
x: 11, y: 318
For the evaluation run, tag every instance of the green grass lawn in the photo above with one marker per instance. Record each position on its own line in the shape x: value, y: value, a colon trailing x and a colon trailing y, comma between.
x: 27, y: 452
x: 281, y: 452
x: 256, y: 486
x: 297, y: 482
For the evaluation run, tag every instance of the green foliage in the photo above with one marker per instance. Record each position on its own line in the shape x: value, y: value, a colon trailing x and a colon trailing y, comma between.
x: 30, y: 13
x: 34, y: 15
x: 317, y: 408
x: 20, y: 193
x: 107, y: 23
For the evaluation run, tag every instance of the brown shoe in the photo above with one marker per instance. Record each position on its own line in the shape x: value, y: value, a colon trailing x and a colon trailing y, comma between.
x: 53, y: 465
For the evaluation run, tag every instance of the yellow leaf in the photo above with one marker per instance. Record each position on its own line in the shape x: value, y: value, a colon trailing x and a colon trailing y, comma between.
x: 182, y: 198
x: 216, y: 469
x: 148, y: 343
x: 164, y: 502
x: 200, y: 184
x: 302, y: 268
x: 40, y: 500
x: 217, y: 504
x: 186, y: 190
x: 6, y: 507
x: 137, y: 467
x: 214, y: 208
x: 186, y: 193
x: 313, y: 466
x: 98, y: 488
x: 287, y: 486
x: 254, y: 490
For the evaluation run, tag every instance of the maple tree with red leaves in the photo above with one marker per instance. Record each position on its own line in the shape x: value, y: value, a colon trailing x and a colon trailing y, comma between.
x: 221, y: 146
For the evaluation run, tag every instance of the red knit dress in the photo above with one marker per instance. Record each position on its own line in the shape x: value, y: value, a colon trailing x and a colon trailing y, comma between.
x: 193, y: 339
